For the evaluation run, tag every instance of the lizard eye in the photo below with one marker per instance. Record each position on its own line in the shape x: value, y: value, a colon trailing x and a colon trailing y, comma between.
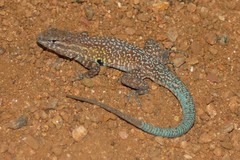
x: 53, y: 41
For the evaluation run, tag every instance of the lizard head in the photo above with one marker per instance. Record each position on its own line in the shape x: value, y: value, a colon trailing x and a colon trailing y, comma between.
x: 60, y: 41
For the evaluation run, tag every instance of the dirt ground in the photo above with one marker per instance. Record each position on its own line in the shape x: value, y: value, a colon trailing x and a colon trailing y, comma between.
x: 37, y: 121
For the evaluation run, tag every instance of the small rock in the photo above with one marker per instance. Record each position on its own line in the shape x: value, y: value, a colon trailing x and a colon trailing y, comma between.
x: 2, y: 50
x: 179, y: 61
x: 205, y: 138
x: 123, y: 134
x: 57, y: 121
x: 211, y: 111
x: 42, y: 114
x: 159, y: 140
x: 172, y: 34
x: 135, y: 2
x: 1, y: 102
x: 212, y: 77
x: 130, y: 31
x: 89, y: 12
x: 211, y: 38
x: 87, y: 82
x: 2, y: 3
x: 19, y: 122
x: 227, y: 145
x: 223, y: 39
x: 234, y: 105
x: 144, y: 17
x: 79, y: 133
x: 213, y: 50
x: 195, y: 18
x: 191, y: 7
x: 196, y: 47
x: 217, y: 151
x: 228, y: 128
x: 52, y: 104
x: 160, y: 6
x: 32, y: 142
x: 79, y: 1
x: 167, y: 44
x: 187, y: 156
x: 236, y: 141
x: 226, y: 157
x: 108, y: 116
x: 57, y: 150
x: 222, y: 18
x: 3, y: 147
x: 204, y: 12
x: 192, y: 61
x: 155, y: 154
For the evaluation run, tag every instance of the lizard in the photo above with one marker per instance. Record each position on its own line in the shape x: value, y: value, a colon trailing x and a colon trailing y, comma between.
x: 137, y: 63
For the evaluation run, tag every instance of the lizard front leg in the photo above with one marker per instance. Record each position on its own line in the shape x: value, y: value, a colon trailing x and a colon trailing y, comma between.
x: 93, y: 67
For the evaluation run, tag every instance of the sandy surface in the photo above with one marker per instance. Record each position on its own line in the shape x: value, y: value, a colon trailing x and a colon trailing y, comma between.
x: 37, y: 121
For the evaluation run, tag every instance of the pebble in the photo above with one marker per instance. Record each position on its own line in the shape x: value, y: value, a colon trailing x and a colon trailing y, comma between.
x: 160, y: 5
x: 57, y: 150
x: 3, y: 147
x: 57, y: 121
x: 211, y: 111
x: 1, y: 102
x: 89, y: 12
x: 234, y: 105
x: 211, y: 38
x: 205, y: 138
x: 227, y: 145
x: 213, y: 50
x: 179, y: 61
x: 217, y: 151
x: 212, y: 77
x: 79, y: 133
x: 236, y: 141
x: 192, y: 61
x: 191, y: 7
x: 204, y: 12
x: 136, y: 2
x: 226, y: 157
x: 227, y: 128
x: 144, y: 17
x: 108, y: 116
x: 2, y: 3
x: 159, y: 140
x: 31, y: 141
x: 19, y: 122
x: 2, y: 50
x: 52, y: 104
x: 172, y: 34
x: 223, y: 39
x: 222, y: 18
x: 87, y: 82
x: 130, y: 31
x: 186, y: 156
x: 195, y: 18
x: 196, y: 47
x: 123, y: 134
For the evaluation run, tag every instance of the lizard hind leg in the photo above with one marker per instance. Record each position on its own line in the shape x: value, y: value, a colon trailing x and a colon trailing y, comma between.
x: 152, y: 47
x: 135, y: 81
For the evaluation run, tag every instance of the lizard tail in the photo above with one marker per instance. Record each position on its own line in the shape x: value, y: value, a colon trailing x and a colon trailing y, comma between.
x: 188, y: 112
